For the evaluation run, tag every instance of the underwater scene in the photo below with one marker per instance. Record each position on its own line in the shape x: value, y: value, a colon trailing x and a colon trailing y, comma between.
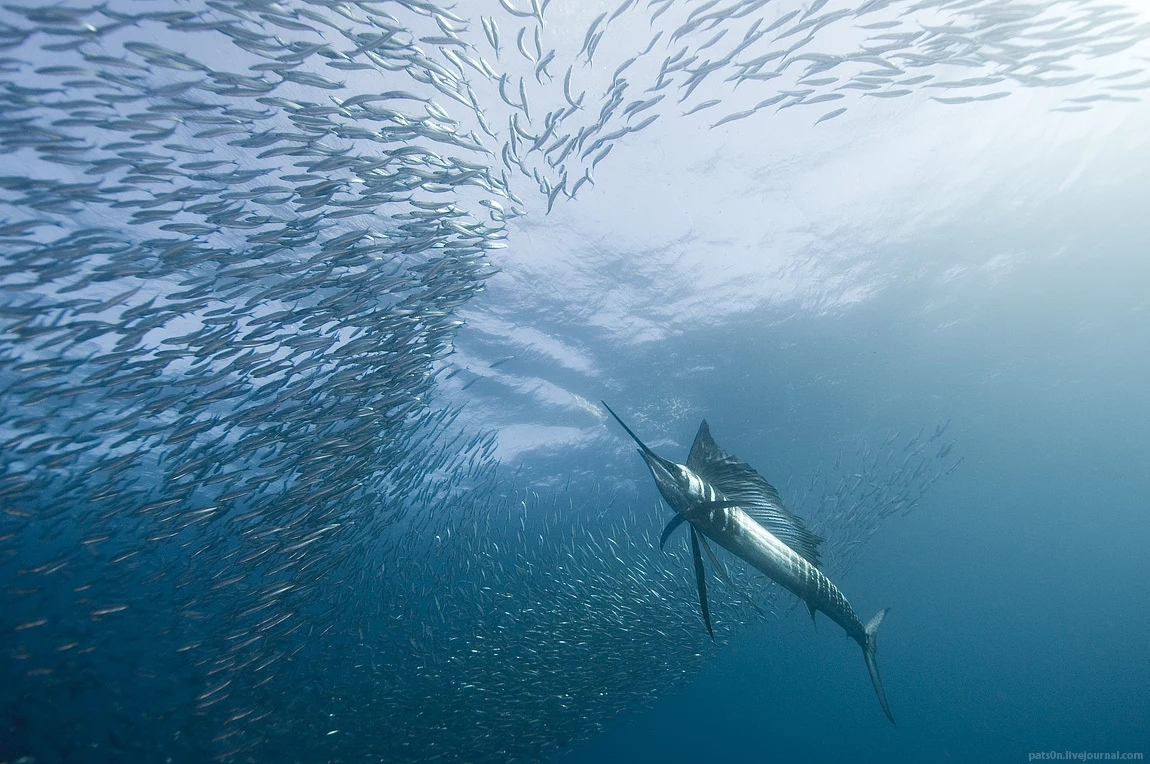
x: 560, y: 381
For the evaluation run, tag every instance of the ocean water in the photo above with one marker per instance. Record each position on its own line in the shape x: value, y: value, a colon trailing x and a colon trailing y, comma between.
x: 306, y: 312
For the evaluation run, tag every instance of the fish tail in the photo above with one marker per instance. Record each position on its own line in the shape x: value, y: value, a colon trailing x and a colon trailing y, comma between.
x: 868, y: 653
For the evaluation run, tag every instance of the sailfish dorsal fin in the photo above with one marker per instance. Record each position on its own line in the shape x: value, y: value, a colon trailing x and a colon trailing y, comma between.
x: 737, y: 481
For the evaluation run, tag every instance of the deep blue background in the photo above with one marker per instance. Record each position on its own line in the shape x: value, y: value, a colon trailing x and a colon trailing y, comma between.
x: 1019, y: 590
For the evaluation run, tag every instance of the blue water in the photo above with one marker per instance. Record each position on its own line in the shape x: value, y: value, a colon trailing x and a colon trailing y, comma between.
x: 301, y: 451
x: 1019, y: 596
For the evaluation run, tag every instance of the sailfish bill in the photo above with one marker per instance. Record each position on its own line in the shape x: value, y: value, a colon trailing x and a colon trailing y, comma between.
x: 725, y: 500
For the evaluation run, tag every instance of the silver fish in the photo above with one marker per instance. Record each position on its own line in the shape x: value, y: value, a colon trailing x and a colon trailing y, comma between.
x: 725, y: 500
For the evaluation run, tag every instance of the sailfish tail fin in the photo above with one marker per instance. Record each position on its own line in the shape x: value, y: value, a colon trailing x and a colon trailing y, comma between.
x: 868, y: 653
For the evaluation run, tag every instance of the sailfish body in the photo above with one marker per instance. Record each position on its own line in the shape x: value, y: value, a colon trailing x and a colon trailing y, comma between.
x: 725, y: 500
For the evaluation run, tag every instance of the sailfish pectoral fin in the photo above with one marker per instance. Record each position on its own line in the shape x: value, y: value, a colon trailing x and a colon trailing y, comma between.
x: 701, y: 581
x: 672, y: 524
x: 721, y: 572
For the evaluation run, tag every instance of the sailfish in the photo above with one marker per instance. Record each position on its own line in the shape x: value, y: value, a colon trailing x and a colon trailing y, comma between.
x: 723, y: 499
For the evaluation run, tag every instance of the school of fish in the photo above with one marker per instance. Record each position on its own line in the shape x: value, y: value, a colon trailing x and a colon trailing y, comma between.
x: 238, y: 518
